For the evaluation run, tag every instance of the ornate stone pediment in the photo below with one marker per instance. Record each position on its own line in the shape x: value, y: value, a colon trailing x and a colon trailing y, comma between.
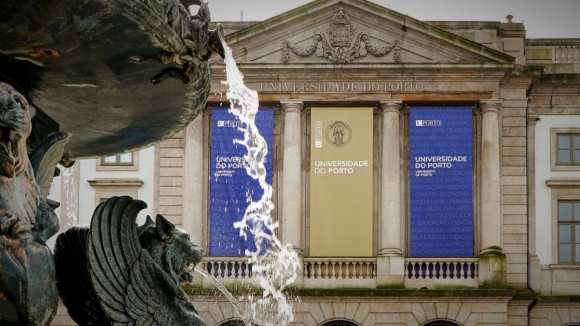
x: 353, y: 31
x: 341, y: 42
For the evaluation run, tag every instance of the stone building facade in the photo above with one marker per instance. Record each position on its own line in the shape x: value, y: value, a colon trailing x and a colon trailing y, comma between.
x: 524, y: 96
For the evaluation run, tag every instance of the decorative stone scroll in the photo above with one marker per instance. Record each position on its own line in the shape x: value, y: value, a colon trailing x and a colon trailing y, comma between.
x: 341, y: 43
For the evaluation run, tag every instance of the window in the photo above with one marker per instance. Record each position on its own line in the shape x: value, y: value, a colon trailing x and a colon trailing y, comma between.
x: 569, y: 232
x: 441, y: 323
x: 120, y: 159
x: 569, y: 149
x: 339, y: 323
x: 565, y: 149
x: 233, y: 322
x: 120, y: 162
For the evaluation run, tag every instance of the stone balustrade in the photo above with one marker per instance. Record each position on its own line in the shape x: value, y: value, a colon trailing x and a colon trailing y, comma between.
x: 565, y: 54
x: 357, y: 272
x: 340, y: 268
x: 434, y: 272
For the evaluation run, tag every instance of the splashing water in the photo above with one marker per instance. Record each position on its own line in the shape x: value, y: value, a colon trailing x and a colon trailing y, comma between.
x: 273, y: 264
x: 68, y: 179
x: 223, y: 290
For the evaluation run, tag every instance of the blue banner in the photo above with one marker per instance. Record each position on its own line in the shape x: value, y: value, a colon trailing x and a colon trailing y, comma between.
x: 230, y: 185
x: 441, y: 144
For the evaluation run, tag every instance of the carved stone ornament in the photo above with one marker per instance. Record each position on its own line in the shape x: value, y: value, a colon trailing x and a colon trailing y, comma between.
x: 341, y: 43
x: 195, y: 40
x: 28, y: 294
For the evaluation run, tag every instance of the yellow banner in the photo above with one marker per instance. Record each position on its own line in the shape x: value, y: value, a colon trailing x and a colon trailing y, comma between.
x: 341, y: 182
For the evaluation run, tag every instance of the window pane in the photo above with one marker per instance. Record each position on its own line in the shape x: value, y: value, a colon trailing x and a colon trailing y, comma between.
x: 110, y: 159
x: 563, y: 142
x: 126, y: 158
x: 577, y: 253
x: 565, y: 253
x: 577, y: 142
x: 577, y: 236
x: 565, y: 211
x: 565, y: 233
x: 564, y: 156
x: 577, y: 212
x: 577, y: 156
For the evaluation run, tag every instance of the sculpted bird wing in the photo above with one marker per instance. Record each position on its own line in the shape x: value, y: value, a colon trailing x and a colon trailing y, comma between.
x: 44, y: 158
x: 133, y: 289
x: 72, y: 278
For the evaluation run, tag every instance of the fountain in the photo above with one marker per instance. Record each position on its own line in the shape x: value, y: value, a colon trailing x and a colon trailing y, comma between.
x: 85, y: 67
x: 273, y: 264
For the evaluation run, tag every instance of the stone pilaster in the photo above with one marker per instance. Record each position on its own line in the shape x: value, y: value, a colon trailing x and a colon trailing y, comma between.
x: 492, y: 261
x: 193, y: 192
x: 534, y: 261
x: 391, y: 260
x: 171, y: 176
x: 292, y: 175
x: 193, y: 186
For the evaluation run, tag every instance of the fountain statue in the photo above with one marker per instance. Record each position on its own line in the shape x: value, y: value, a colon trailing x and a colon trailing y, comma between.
x: 134, y: 273
x: 83, y: 66
x: 27, y: 289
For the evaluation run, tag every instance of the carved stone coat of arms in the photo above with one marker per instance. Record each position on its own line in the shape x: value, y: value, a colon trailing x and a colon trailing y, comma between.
x: 341, y: 42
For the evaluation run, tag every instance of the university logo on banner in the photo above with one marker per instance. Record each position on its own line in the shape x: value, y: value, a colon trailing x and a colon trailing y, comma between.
x: 441, y: 144
x: 230, y: 184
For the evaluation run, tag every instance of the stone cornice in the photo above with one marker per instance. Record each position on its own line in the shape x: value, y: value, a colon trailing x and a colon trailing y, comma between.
x: 116, y: 182
x: 563, y: 182
x: 371, y: 66
x: 552, y: 41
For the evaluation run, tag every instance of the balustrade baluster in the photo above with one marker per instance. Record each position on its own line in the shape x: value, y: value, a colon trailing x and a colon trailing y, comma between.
x: 332, y: 271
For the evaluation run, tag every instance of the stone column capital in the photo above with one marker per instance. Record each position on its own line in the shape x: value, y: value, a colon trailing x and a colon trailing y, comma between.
x: 490, y: 106
x: 533, y: 119
x: 394, y: 106
x: 295, y: 106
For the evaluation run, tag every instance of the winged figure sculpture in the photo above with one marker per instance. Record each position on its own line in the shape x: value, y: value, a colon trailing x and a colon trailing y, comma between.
x: 28, y: 294
x: 136, y: 272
